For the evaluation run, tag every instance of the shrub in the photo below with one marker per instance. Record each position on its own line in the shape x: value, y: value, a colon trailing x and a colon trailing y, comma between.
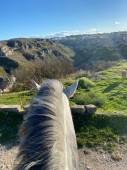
x: 80, y: 142
x: 85, y: 83
x: 51, y: 68
x: 89, y: 98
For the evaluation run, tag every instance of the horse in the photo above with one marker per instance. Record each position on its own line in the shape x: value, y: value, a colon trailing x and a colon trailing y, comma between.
x: 47, y: 135
x: 124, y: 73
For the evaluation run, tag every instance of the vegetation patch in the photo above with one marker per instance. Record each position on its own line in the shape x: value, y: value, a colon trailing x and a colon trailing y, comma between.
x: 20, y: 98
x: 85, y: 83
x: 9, y: 126
x: 88, y: 97
x: 101, y: 131
x: 116, y: 156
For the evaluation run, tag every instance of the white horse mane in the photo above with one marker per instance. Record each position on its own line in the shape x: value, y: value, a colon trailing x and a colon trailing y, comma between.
x: 48, y: 139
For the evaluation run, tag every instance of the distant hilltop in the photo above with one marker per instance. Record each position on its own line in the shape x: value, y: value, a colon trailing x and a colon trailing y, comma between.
x: 93, y: 49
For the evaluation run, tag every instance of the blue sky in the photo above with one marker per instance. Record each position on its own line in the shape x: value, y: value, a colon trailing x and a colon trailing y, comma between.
x: 39, y: 18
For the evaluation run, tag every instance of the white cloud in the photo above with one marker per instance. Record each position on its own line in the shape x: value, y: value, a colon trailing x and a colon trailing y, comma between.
x: 57, y: 34
x: 117, y: 22
x: 62, y: 34
x: 92, y: 31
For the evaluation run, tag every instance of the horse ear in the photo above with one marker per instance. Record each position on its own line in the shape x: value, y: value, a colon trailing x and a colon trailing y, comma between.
x: 36, y: 86
x: 70, y: 91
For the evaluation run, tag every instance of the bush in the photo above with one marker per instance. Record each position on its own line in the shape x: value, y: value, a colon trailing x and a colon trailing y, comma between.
x: 89, y: 98
x: 85, y: 83
x: 51, y: 68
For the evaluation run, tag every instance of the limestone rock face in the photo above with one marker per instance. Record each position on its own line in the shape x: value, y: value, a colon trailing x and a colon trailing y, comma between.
x: 6, y: 83
x: 47, y: 51
x: 41, y: 53
x: 20, y: 45
x: 90, y: 109
x: 5, y: 51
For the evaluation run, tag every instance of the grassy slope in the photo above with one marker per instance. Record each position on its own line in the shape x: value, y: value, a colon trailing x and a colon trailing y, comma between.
x: 108, y: 93
x: 104, y: 131
x: 113, y: 88
x: 20, y: 98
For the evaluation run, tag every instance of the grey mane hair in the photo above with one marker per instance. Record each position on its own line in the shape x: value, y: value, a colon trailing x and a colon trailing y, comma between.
x: 42, y: 141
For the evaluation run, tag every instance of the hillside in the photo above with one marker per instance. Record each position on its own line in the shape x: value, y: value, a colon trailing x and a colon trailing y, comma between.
x: 21, y: 51
x: 89, y: 51
x: 94, y: 50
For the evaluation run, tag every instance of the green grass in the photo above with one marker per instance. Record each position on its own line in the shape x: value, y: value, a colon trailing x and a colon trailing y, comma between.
x: 114, y: 88
x: 88, y: 97
x: 20, y: 98
x: 108, y: 93
x: 9, y: 126
x: 99, y: 131
x: 85, y: 83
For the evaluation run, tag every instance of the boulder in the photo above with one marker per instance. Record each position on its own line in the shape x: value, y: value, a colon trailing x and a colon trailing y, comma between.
x: 90, y: 109
x: 78, y: 109
x: 5, y: 51
x: 6, y: 83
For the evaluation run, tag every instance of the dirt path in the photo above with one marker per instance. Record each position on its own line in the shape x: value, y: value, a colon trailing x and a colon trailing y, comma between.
x: 7, y: 157
x: 102, y: 161
x: 91, y: 161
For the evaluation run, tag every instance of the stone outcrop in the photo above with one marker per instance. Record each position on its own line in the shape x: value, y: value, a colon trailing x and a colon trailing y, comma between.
x: 47, y: 51
x: 41, y: 53
x: 6, y: 83
x: 5, y: 51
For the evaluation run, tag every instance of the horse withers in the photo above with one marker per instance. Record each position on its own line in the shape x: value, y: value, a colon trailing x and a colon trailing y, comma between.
x: 47, y: 136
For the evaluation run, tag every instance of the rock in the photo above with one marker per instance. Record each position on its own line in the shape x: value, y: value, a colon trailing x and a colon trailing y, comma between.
x: 78, y: 109
x: 41, y: 53
x: 6, y: 83
x: 104, y: 156
x: 10, y: 108
x: 90, y: 109
x: 47, y: 51
x: 88, y: 167
x: 5, y: 51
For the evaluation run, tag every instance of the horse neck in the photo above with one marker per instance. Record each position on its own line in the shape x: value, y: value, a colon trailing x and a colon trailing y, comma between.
x: 70, y: 139
x: 54, y: 143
